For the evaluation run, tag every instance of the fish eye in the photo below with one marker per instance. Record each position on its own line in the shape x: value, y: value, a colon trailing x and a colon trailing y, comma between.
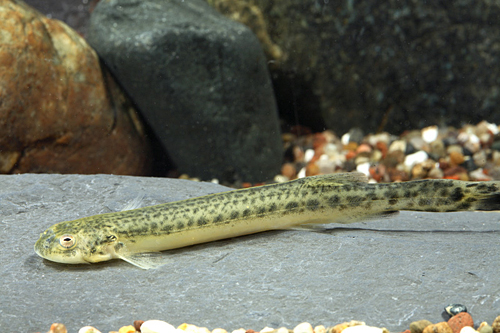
x: 67, y: 241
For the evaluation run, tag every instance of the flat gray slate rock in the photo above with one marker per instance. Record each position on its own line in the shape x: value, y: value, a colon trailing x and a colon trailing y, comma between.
x: 387, y: 273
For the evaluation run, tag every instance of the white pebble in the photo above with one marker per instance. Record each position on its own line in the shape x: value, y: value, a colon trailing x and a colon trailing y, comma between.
x: 241, y: 330
x: 309, y: 154
x: 89, y: 329
x: 479, y: 174
x: 282, y: 330
x: 301, y: 174
x: 345, y: 139
x: 266, y: 329
x: 157, y: 326
x: 303, y: 328
x: 418, y: 157
x: 219, y: 330
x: 320, y: 329
x: 364, y: 168
x: 468, y: 329
x: 362, y: 329
x: 280, y: 179
x: 398, y: 145
x: 430, y: 134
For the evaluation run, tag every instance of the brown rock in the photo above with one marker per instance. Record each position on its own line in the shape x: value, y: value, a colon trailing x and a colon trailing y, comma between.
x: 59, y: 111
x: 459, y: 321
x: 137, y: 325
x: 441, y: 327
x: 419, y: 326
x: 496, y: 325
x: 288, y: 170
x: 57, y: 328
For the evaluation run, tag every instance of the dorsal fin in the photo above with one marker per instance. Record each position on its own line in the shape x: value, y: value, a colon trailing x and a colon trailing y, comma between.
x: 337, y: 179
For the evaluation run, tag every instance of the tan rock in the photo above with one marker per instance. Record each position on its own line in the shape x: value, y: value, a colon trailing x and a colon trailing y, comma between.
x: 419, y: 326
x: 441, y: 327
x: 59, y: 110
x: 484, y: 328
x: 496, y: 325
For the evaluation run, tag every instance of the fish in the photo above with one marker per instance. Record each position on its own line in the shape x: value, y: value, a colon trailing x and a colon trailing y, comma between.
x: 138, y: 236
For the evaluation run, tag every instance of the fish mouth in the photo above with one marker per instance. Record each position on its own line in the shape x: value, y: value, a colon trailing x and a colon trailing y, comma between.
x: 43, y: 244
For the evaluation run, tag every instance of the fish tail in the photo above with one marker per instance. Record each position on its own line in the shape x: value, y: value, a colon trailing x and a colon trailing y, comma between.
x: 450, y: 196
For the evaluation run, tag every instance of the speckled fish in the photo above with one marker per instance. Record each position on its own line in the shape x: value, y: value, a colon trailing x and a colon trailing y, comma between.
x: 134, y: 235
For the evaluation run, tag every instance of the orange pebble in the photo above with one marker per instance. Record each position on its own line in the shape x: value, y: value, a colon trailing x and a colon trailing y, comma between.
x: 312, y: 169
x: 460, y: 321
x: 382, y: 146
x: 288, y: 170
x: 364, y: 148
x: 350, y: 155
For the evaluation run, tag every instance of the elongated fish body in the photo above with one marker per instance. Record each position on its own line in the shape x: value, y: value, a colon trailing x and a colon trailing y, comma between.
x: 341, y: 198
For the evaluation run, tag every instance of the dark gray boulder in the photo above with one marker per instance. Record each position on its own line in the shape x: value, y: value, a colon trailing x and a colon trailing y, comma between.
x: 200, y: 80
x: 389, y: 65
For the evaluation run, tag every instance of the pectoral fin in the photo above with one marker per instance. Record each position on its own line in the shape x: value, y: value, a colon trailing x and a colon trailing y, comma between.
x: 145, y: 260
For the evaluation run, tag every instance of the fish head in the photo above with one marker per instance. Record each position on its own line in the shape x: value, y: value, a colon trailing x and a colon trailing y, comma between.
x: 65, y: 243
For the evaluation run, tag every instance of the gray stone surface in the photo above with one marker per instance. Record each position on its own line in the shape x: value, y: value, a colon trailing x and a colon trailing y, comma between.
x: 200, y: 81
x: 386, y: 273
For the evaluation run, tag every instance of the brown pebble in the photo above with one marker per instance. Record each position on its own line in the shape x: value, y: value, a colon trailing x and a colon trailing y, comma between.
x: 459, y: 321
x: 250, y: 331
x: 288, y: 170
x: 419, y: 326
x: 456, y: 158
x: 137, y: 325
x: 57, y: 328
x: 441, y: 327
x: 406, y: 331
x: 496, y: 325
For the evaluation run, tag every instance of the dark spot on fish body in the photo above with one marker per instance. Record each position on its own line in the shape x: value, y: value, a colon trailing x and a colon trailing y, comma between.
x: 464, y: 206
x: 432, y: 210
x: 354, y: 200
x: 272, y: 207
x: 471, y: 200
x: 153, y: 226
x: 392, y: 202
x: 261, y: 210
x: 424, y: 202
x: 246, y: 212
x: 391, y: 194
x: 472, y: 185
x: 180, y: 225
x: 291, y: 205
x: 312, y: 204
x: 218, y: 218
x: 457, y: 194
x: 190, y: 222
x: 346, y: 188
x: 202, y: 221
x: 444, y: 192
x: 167, y: 228
x: 234, y: 214
x: 442, y: 202
x: 333, y: 201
